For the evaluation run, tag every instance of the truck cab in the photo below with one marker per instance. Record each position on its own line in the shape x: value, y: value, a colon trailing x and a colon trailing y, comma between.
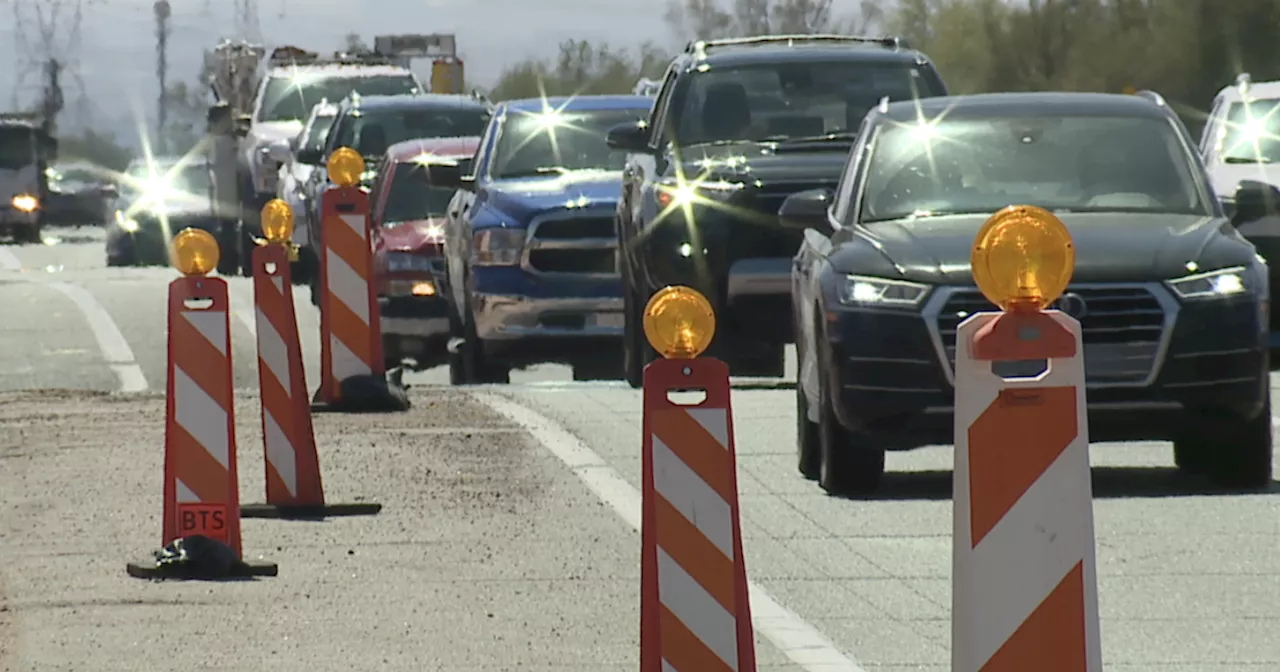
x: 531, y: 251
x: 27, y: 148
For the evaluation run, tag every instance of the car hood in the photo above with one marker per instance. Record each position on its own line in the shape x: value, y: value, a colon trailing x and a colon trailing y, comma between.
x: 264, y: 133
x: 15, y: 182
x: 810, y: 162
x: 524, y: 198
x: 413, y: 236
x: 1227, y: 176
x: 177, y: 209
x: 1109, y: 247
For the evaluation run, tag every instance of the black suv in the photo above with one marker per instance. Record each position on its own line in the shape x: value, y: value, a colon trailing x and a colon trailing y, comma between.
x: 739, y: 125
x: 1171, y: 299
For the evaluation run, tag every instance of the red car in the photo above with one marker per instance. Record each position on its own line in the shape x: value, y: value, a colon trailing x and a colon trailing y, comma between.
x: 408, y: 237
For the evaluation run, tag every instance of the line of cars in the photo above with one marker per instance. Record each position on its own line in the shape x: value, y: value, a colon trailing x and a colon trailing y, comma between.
x: 824, y: 191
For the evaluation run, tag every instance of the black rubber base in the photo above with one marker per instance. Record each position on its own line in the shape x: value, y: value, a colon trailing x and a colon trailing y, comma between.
x: 247, y: 570
x: 309, y: 512
x: 367, y: 394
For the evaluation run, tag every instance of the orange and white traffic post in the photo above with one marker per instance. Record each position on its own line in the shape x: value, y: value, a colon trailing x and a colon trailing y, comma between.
x: 350, y: 331
x: 1024, y: 591
x: 201, y: 483
x: 694, y: 610
x: 295, y: 488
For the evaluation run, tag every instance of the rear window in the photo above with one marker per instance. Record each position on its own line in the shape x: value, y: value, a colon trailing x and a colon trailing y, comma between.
x: 412, y: 197
x: 293, y: 98
x: 372, y: 132
x: 778, y: 101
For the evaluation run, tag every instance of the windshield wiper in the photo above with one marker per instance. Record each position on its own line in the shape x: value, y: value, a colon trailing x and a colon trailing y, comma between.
x: 843, y: 136
x: 1246, y: 159
x: 534, y: 172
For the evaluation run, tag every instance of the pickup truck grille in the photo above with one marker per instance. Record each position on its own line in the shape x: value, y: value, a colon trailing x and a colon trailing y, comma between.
x: 1123, y: 327
x: 575, y: 242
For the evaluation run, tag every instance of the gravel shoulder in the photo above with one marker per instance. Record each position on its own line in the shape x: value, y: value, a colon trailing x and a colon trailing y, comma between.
x: 488, y: 554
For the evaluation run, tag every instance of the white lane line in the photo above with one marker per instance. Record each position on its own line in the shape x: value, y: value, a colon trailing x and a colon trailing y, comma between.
x: 9, y: 261
x: 796, y: 638
x: 115, y: 349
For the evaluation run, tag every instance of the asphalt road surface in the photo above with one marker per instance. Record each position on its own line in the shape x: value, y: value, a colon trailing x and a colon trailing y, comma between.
x: 509, y: 539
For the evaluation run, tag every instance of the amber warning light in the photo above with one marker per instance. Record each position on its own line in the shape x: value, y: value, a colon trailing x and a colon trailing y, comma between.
x: 1023, y: 259
x: 679, y: 322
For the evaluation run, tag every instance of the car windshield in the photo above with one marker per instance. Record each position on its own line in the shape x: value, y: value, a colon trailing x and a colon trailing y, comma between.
x: 793, y: 100
x: 16, y: 149
x: 556, y: 142
x: 293, y: 98
x: 412, y: 197
x: 1252, y: 132
x: 1077, y: 164
x: 319, y: 130
x: 372, y: 132
x: 168, y: 179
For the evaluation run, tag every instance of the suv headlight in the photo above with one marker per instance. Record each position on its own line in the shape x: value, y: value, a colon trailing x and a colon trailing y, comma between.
x: 1214, y: 284
x: 497, y: 247
x: 862, y: 290
x: 401, y: 262
x: 674, y: 193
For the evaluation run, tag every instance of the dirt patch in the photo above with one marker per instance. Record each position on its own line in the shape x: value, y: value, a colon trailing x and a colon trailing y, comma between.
x: 485, y: 543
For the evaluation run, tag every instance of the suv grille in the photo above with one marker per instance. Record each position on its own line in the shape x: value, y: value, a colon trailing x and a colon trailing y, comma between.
x: 574, y: 242
x: 1122, y: 328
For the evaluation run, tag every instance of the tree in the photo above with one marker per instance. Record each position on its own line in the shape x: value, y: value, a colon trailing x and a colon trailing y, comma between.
x: 98, y: 148
x: 581, y: 67
x: 711, y: 19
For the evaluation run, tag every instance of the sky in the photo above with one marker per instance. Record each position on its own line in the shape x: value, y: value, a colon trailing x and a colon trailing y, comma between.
x: 117, y: 53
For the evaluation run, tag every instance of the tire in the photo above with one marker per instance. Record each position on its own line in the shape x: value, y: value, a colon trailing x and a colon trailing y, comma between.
x: 30, y: 236
x: 847, y: 465
x: 468, y: 365
x: 229, y: 249
x: 1234, y: 453
x: 599, y: 369
x: 771, y: 365
x: 636, y: 351
x: 807, y: 448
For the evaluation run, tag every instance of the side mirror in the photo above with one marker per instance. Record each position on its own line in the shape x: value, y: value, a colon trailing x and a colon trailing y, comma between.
x: 1255, y: 200
x: 243, y: 123
x: 632, y: 137
x: 312, y: 156
x: 279, y: 152
x: 109, y: 191
x: 445, y: 175
x: 807, y: 210
x: 467, y: 183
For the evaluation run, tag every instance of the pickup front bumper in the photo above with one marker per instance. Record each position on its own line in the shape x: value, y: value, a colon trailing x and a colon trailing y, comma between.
x: 529, y: 319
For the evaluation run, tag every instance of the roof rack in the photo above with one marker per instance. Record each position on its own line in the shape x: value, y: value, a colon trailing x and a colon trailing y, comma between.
x: 1151, y: 96
x: 1243, y: 81
x: 701, y: 46
x: 290, y: 55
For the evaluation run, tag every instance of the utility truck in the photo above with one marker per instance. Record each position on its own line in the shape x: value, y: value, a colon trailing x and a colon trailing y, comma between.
x: 262, y: 101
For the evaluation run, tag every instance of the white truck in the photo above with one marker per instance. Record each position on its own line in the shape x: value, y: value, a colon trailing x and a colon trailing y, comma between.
x: 261, y: 107
x: 27, y: 147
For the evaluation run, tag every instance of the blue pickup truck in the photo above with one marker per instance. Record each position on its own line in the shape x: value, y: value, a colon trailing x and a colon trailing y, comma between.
x: 531, y: 273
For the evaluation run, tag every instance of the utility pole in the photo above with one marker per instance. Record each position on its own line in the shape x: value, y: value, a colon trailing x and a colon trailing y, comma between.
x: 52, y: 101
x: 162, y: 12
x: 246, y: 20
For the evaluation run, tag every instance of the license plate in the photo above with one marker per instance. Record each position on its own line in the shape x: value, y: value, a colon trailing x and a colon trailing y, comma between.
x: 611, y: 320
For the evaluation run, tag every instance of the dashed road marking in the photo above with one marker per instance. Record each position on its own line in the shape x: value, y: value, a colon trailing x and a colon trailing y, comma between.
x: 795, y: 637
x: 115, y: 349
x: 9, y: 261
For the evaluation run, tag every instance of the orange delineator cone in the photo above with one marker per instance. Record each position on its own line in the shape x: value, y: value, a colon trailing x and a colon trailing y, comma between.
x: 350, y: 331
x: 294, y: 485
x: 1025, y: 587
x: 201, y: 485
x: 694, y: 607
